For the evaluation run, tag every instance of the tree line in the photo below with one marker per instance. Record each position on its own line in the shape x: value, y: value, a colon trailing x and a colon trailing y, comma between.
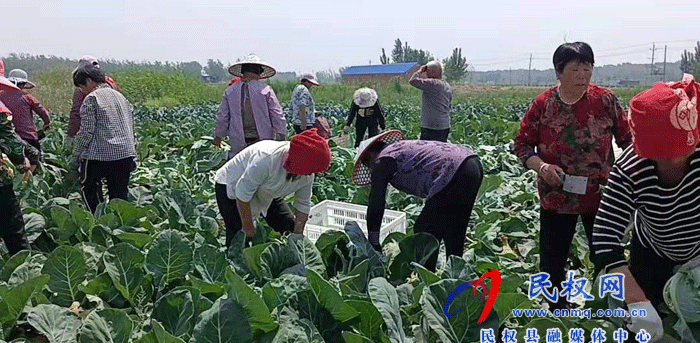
x: 454, y: 67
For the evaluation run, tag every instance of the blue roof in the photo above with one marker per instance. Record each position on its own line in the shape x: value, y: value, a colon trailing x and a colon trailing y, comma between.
x: 380, y: 69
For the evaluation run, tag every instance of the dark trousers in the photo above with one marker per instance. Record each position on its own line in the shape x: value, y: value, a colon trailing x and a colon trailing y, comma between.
x: 298, y: 130
x: 650, y: 270
x: 556, y: 234
x: 279, y: 215
x: 116, y: 173
x: 363, y: 124
x: 446, y: 214
x: 11, y: 221
x: 434, y: 135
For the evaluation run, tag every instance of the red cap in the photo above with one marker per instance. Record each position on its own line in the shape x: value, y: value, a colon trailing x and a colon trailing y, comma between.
x: 308, y: 154
x: 664, y: 120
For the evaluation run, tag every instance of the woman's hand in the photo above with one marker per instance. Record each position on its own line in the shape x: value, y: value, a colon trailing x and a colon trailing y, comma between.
x: 550, y: 174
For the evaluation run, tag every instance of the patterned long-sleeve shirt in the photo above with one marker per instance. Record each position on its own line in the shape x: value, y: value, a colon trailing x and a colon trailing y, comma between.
x: 106, y: 126
x: 577, y: 138
x: 78, y: 97
x: 301, y: 97
x: 11, y: 148
x: 23, y: 106
x: 267, y: 111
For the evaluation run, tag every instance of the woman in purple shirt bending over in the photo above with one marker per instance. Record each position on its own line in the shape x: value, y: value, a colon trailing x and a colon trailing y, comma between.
x: 447, y: 175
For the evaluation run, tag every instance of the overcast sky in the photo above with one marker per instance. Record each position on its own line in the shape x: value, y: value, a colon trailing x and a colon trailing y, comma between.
x: 314, y: 35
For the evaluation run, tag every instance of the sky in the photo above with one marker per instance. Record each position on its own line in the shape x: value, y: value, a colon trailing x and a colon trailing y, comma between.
x: 313, y: 35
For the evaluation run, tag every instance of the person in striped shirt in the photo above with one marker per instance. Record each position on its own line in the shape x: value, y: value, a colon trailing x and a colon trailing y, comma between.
x: 654, y: 186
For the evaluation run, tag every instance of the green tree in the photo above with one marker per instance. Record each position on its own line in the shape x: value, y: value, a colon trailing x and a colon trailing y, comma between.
x: 403, y: 53
x: 383, y: 59
x: 455, y: 66
x: 216, y: 69
x: 397, y: 53
x: 690, y: 61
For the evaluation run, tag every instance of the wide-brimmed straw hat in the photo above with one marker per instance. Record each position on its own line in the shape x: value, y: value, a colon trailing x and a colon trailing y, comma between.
x: 361, y: 173
x: 365, y: 97
x: 267, y: 69
x: 309, y: 77
x: 20, y: 78
x: 5, y: 84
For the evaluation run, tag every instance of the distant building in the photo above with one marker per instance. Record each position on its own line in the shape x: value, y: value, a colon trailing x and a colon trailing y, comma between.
x: 379, y: 72
x: 628, y: 83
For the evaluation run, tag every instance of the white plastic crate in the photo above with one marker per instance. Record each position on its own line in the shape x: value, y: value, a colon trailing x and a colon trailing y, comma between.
x: 332, y: 215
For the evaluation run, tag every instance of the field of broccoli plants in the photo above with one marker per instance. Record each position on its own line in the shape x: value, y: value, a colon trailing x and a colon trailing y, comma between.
x: 154, y: 269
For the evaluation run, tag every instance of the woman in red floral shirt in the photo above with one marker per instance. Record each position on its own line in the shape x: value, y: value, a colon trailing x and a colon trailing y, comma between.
x: 566, y: 137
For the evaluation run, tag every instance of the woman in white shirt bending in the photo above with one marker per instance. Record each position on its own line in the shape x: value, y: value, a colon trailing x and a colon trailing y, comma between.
x: 256, y: 181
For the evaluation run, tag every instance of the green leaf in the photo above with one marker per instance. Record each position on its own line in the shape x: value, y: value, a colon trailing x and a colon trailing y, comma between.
x: 419, y: 248
x: 12, y: 301
x: 458, y: 268
x: 277, y: 291
x: 34, y: 225
x: 508, y: 301
x: 66, y: 228
x: 210, y: 263
x: 67, y: 269
x: 385, y: 299
x: 295, y: 330
x: 170, y: 257
x: 225, y: 322
x: 350, y: 337
x: 108, y: 325
x: 159, y: 335
x: 124, y: 264
x: 92, y: 253
x: 58, y: 324
x: 139, y: 240
x: 29, y: 269
x: 461, y: 327
x: 10, y: 265
x: 330, y: 299
x: 426, y: 276
x: 253, y: 259
x: 370, y: 320
x: 308, y: 307
x: 176, y: 311
x: 259, y: 315
x: 333, y: 246
x: 294, y: 257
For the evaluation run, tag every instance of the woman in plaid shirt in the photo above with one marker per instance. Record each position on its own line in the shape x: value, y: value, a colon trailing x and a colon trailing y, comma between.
x: 105, y: 143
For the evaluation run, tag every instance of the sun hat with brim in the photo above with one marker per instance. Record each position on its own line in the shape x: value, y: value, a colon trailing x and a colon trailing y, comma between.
x: 361, y: 173
x: 664, y: 120
x: 309, y: 77
x: 365, y: 97
x: 6, y: 84
x: 268, y: 70
x: 20, y: 78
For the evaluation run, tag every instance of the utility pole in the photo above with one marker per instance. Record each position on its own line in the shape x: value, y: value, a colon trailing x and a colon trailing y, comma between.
x: 653, y: 48
x: 528, y: 71
x: 664, y: 79
x: 510, y: 76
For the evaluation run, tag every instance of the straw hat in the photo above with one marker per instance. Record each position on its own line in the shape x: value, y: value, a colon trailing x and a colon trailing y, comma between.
x: 268, y: 70
x: 309, y: 77
x: 365, y: 97
x: 361, y: 173
x: 5, y: 84
x: 20, y: 78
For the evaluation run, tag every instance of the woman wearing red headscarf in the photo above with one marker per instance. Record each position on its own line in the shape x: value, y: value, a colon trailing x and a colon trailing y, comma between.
x: 655, y: 184
x: 257, y: 179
